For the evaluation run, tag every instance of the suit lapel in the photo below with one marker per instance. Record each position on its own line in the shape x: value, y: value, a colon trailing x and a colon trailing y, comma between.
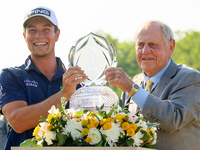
x: 165, y: 79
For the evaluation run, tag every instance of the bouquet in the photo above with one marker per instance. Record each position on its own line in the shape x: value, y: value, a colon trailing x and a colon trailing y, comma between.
x: 118, y: 127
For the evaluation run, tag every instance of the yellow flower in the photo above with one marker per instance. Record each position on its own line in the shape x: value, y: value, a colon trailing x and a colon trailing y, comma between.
x: 148, y: 131
x: 84, y: 121
x: 49, y: 127
x: 125, y: 125
x: 119, y: 117
x: 107, y: 126
x: 58, y: 115
x: 103, y: 121
x: 134, y: 126
x: 110, y: 120
x: 88, y: 140
x: 85, y: 131
x: 75, y: 116
x: 130, y: 132
x: 149, y: 140
x: 49, y: 118
x: 35, y: 132
x: 77, y: 120
x: 43, y: 132
x: 92, y: 113
x: 93, y: 123
x: 126, y: 117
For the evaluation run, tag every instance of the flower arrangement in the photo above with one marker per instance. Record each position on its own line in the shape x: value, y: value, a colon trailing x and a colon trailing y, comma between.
x: 118, y: 127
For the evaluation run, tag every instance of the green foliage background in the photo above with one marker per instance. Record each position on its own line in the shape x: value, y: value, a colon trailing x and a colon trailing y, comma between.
x: 187, y: 51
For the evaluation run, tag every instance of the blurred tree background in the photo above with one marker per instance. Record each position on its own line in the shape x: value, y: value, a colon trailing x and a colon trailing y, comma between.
x: 187, y: 51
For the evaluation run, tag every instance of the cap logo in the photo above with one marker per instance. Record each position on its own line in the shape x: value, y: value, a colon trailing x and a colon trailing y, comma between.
x: 40, y: 11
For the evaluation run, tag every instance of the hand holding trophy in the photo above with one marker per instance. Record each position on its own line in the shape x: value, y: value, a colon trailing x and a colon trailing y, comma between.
x: 94, y: 55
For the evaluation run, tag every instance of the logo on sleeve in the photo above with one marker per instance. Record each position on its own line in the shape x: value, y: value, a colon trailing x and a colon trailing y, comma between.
x: 31, y: 83
x: 1, y: 91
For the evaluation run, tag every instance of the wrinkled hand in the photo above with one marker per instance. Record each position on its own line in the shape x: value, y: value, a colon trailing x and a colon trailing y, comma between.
x: 117, y: 77
x: 71, y: 78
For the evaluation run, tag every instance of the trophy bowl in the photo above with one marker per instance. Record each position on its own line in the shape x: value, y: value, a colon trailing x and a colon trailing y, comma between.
x: 87, y: 98
x: 94, y: 55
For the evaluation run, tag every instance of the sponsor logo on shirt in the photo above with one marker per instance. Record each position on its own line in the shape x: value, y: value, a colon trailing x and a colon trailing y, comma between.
x: 31, y: 83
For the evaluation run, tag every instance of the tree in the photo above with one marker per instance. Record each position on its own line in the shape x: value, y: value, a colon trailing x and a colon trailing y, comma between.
x: 126, y: 58
x: 187, y: 49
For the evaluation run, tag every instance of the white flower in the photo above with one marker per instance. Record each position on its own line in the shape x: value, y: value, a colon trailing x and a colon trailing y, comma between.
x: 40, y: 142
x: 95, y: 135
x: 154, y: 138
x: 132, y: 117
x: 153, y: 130
x: 143, y: 124
x: 53, y: 110
x: 49, y: 136
x: 70, y: 113
x: 112, y: 134
x: 43, y: 129
x: 141, y: 116
x: 74, y: 128
x: 137, y: 139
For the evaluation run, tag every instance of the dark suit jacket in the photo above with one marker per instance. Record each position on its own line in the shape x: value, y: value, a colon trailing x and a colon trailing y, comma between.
x: 175, y: 103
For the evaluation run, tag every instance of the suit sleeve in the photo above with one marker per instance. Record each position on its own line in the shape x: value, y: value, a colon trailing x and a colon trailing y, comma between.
x: 179, y: 104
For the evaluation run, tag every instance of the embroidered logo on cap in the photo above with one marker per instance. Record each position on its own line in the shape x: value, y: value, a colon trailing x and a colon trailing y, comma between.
x: 40, y: 11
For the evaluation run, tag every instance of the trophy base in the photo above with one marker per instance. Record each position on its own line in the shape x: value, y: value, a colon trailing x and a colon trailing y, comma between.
x: 87, y: 98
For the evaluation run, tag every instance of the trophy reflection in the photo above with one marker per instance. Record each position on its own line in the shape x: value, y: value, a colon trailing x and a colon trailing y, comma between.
x: 94, y: 55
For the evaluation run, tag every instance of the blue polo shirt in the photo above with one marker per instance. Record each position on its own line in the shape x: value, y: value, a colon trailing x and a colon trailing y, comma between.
x: 29, y: 84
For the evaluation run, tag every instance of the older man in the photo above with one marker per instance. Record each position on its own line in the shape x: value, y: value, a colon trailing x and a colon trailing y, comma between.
x: 166, y: 92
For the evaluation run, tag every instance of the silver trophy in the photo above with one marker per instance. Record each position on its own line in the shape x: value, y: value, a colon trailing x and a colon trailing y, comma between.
x: 94, y: 55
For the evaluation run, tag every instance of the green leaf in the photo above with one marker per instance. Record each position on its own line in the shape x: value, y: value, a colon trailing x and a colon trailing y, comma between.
x: 61, y: 139
x: 102, y: 107
x: 110, y: 113
x: 104, y: 137
x: 103, y: 114
x: 100, y: 143
x: 148, y: 145
x: 43, y: 120
x: 29, y: 143
x: 121, y: 104
x: 79, y: 113
x: 145, y: 136
x: 85, y: 111
x: 129, y: 142
x: 150, y: 125
x: 97, y: 108
x: 128, y: 104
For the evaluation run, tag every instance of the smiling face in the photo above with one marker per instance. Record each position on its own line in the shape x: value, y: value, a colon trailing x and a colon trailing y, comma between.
x: 152, y: 52
x: 40, y: 37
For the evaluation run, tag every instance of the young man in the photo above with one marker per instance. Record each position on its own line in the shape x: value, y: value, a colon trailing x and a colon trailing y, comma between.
x: 174, y: 97
x: 29, y: 91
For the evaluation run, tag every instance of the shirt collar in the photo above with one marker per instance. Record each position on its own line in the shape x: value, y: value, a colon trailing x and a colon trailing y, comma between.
x: 29, y: 65
x: 156, y: 78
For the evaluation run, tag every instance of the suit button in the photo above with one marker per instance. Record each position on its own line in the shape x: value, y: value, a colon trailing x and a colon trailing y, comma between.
x: 149, y: 115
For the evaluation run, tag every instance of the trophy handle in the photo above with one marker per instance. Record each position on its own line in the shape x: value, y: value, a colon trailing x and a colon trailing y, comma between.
x: 70, y: 56
x: 113, y: 54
